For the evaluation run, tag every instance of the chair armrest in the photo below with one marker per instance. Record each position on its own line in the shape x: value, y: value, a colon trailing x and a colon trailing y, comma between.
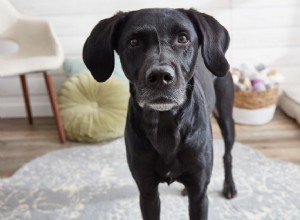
x: 35, y: 36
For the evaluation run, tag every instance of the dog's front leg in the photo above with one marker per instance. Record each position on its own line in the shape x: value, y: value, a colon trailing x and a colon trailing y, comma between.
x: 149, y: 200
x: 198, y: 205
x: 198, y: 201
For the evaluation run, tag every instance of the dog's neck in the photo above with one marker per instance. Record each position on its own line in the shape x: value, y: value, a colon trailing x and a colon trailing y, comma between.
x: 167, y: 131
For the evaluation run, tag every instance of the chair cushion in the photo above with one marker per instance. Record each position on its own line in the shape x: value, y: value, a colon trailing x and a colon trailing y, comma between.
x: 92, y: 111
x: 289, y: 102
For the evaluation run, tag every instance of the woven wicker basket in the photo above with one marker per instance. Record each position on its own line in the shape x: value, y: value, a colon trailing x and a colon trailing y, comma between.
x: 256, y: 99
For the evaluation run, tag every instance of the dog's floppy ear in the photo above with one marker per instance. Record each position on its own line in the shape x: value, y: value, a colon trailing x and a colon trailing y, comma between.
x: 98, y: 50
x: 214, y: 40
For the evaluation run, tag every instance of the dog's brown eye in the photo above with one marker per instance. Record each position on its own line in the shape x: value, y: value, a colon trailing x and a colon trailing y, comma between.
x: 182, y: 39
x: 134, y: 42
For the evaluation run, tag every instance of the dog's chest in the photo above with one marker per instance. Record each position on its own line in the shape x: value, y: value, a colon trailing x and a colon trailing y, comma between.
x: 164, y: 134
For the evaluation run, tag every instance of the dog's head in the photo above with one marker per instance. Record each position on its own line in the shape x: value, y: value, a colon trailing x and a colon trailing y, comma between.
x: 158, y: 49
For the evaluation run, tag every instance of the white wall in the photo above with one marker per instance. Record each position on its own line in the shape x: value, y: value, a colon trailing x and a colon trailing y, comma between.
x: 265, y: 31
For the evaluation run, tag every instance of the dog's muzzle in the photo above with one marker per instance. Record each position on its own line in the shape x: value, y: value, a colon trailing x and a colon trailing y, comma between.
x: 160, y: 76
x: 160, y: 89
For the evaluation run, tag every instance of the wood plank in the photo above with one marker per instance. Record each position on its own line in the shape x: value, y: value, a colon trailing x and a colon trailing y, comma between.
x: 72, y: 45
x: 291, y: 73
x: 267, y: 17
x: 16, y: 109
x: 20, y: 142
x: 10, y: 86
x: 13, y: 154
x: 284, y: 143
x: 73, y: 37
x: 279, y: 139
x: 57, y: 7
x: 261, y: 32
x: 264, y: 3
x: 11, y: 99
x: 288, y: 154
x: 64, y: 23
x: 265, y: 38
x: 275, y: 56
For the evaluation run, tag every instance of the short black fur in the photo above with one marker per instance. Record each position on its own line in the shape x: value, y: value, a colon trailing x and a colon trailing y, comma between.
x: 171, y: 58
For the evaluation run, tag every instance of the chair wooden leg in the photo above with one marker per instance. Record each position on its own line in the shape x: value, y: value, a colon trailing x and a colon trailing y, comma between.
x: 52, y: 96
x: 26, y: 98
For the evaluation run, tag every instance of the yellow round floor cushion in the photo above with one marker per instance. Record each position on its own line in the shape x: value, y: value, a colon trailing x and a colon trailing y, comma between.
x: 92, y: 111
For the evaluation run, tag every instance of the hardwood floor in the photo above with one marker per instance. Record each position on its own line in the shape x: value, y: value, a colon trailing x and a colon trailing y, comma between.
x: 279, y: 139
x: 21, y: 142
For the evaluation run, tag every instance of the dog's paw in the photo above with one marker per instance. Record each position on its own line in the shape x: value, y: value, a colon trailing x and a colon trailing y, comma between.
x: 229, y: 190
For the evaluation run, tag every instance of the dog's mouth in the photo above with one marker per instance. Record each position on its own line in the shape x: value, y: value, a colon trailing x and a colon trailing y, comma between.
x: 161, y: 107
x: 160, y: 99
x: 161, y: 104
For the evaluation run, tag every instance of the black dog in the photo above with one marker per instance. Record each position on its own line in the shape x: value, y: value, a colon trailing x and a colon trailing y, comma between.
x: 171, y: 58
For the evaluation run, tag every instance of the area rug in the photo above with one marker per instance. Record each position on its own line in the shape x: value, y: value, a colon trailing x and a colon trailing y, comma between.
x: 93, y: 182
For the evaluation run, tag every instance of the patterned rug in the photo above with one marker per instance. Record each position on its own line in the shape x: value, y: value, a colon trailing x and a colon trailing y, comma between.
x: 93, y: 182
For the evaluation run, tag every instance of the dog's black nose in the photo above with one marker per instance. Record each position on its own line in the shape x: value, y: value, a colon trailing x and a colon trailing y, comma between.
x: 160, y: 75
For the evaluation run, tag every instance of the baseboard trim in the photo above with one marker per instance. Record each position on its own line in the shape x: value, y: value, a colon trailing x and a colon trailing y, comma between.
x: 16, y: 109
